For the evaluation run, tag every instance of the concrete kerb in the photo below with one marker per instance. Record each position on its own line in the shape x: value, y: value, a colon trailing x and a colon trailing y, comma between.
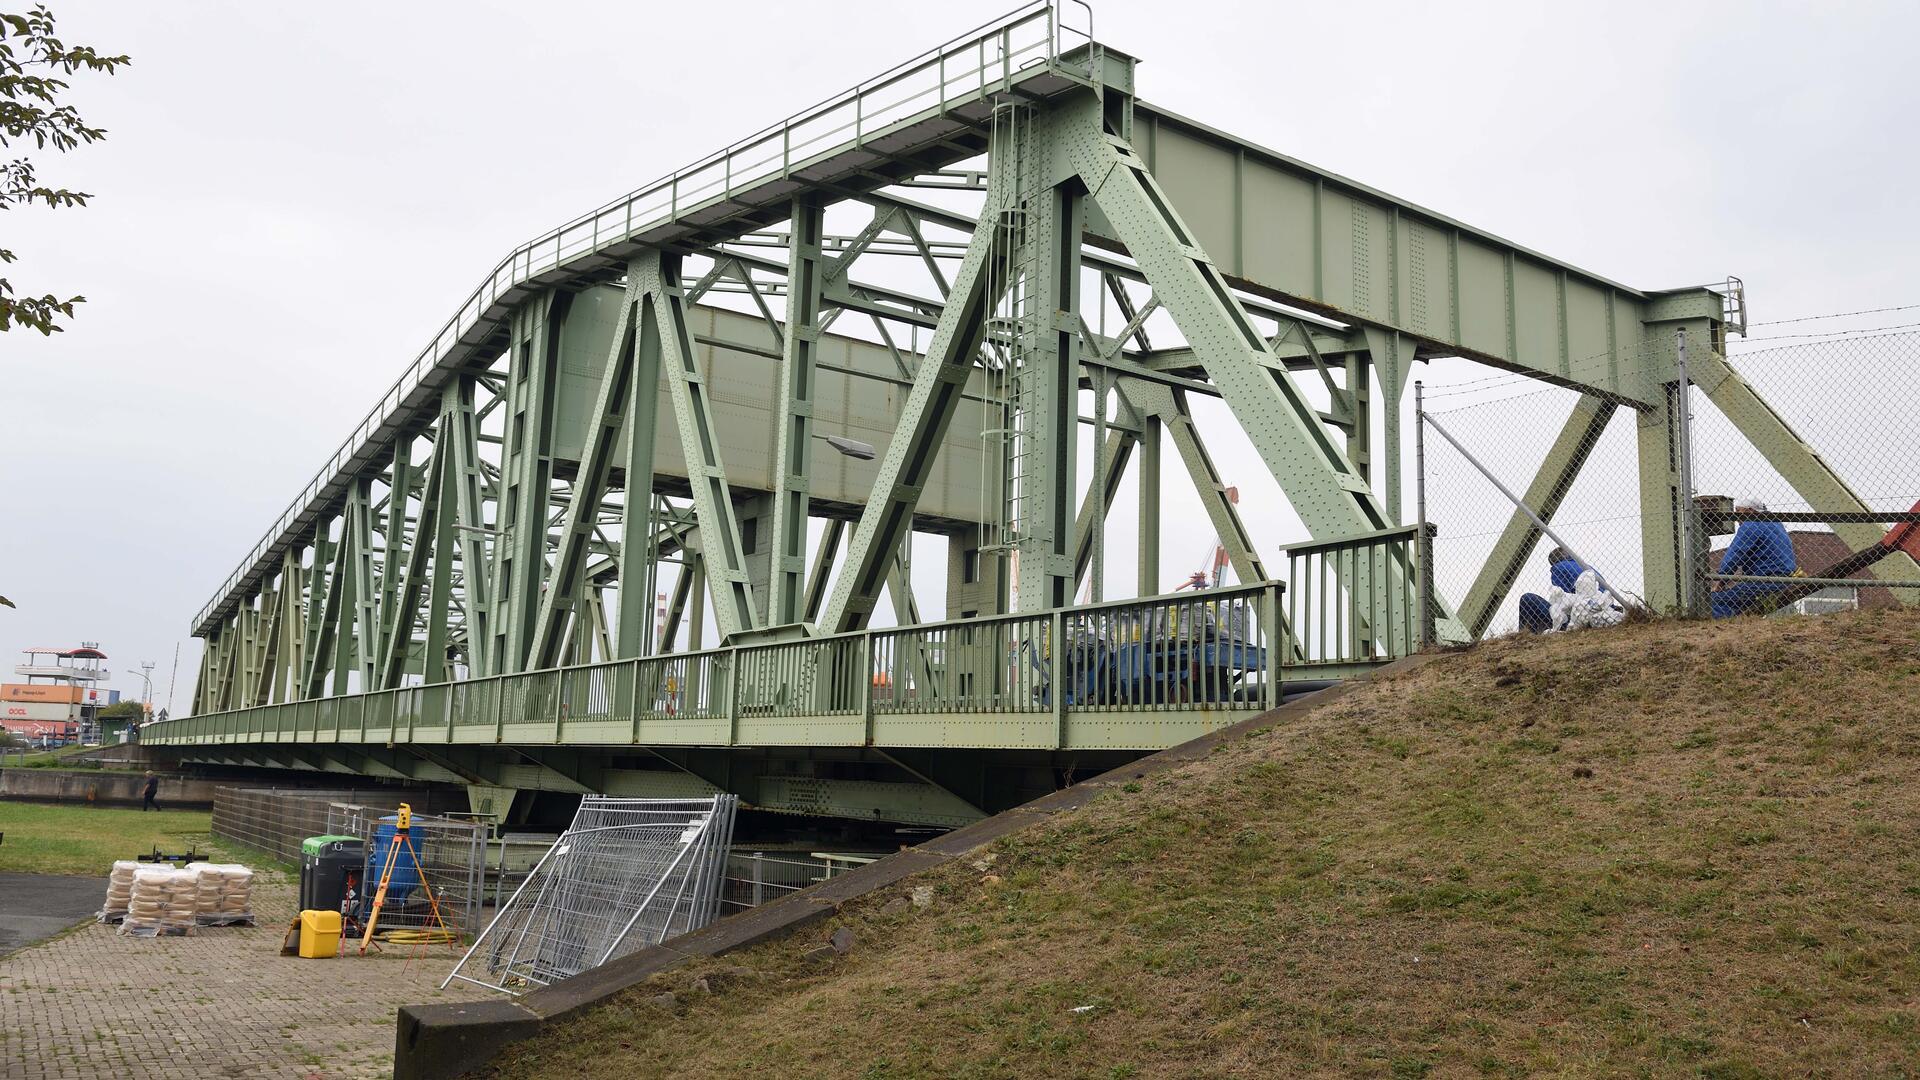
x: 441, y: 1042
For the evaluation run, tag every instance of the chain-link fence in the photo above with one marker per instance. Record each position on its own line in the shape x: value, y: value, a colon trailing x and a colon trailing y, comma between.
x: 1780, y: 531
x: 275, y: 820
x: 1807, y: 438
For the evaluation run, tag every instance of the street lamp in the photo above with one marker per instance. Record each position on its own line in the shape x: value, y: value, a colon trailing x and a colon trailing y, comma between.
x: 853, y: 448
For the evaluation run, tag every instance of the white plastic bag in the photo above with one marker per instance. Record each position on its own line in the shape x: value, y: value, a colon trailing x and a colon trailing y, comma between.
x: 1585, y: 606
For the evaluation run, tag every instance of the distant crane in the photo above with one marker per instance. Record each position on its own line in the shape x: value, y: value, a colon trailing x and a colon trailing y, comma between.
x: 1213, y: 567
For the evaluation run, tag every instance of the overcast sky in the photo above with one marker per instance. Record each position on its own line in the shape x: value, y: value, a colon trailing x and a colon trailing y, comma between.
x: 293, y: 197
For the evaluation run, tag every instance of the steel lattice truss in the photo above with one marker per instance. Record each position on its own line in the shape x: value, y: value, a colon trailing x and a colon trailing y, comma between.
x: 939, y: 263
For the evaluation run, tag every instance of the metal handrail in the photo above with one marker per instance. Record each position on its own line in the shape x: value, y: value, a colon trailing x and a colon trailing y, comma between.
x: 1354, y: 607
x: 1259, y: 647
x: 678, y: 187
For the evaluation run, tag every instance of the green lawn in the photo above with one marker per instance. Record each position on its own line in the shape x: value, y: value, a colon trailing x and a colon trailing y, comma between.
x: 43, y: 839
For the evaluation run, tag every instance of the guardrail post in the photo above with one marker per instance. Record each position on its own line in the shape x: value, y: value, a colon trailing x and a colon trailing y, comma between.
x: 630, y: 694
x: 863, y: 685
x: 1057, y: 650
x: 447, y: 706
x: 499, y: 709
x: 1277, y: 644
x: 731, y: 674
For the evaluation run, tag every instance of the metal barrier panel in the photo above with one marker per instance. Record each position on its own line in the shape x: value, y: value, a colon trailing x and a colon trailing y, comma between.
x: 628, y: 873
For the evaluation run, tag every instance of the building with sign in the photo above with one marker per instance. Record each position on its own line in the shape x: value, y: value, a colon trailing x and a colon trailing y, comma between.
x: 60, y: 697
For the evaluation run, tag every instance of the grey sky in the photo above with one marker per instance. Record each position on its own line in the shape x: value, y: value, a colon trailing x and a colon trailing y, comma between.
x: 294, y: 197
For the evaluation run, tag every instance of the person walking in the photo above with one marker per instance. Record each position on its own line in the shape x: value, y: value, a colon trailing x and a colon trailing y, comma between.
x: 148, y: 793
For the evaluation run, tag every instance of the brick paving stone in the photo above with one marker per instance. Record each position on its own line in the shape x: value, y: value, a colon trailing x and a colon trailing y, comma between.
x: 219, y: 1003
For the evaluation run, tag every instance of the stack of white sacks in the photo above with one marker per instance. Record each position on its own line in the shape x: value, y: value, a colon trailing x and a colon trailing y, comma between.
x: 119, y: 891
x: 163, y: 901
x: 225, y: 894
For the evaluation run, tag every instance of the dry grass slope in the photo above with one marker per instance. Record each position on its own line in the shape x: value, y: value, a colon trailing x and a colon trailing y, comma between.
x: 1660, y: 850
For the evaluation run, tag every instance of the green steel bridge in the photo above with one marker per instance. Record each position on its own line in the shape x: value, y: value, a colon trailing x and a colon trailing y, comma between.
x: 942, y: 275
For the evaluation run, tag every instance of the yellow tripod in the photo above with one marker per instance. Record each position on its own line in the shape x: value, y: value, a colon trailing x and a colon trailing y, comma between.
x: 402, y: 839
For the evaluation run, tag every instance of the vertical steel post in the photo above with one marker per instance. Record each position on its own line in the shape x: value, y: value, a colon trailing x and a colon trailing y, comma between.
x: 1423, y: 541
x: 1148, y: 572
x: 793, y: 442
x: 1683, y: 451
x: 1097, y: 492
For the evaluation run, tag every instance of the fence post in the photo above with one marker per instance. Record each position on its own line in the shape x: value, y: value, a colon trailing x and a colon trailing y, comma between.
x: 759, y: 877
x: 1423, y: 542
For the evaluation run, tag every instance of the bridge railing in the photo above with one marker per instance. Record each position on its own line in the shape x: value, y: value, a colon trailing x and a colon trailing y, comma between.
x: 1354, y: 600
x: 1216, y: 650
x: 1348, y: 604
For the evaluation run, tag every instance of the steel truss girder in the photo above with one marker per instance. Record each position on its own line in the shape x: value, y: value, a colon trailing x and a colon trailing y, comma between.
x: 1168, y: 407
x: 938, y: 386
x: 520, y: 556
x: 618, y: 384
x: 726, y: 562
x: 366, y: 618
x: 460, y: 430
x: 1330, y: 496
x: 406, y: 577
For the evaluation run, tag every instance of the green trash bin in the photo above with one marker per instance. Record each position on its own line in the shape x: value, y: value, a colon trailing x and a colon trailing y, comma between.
x: 326, y: 862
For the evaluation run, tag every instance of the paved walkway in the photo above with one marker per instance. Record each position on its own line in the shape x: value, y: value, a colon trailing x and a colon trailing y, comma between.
x: 222, y: 1002
x: 37, y: 906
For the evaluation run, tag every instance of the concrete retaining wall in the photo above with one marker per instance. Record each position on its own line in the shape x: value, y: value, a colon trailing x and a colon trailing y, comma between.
x: 103, y: 786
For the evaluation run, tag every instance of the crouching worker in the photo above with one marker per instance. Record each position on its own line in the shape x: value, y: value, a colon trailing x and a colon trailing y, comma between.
x: 1576, y: 600
x: 1759, y: 549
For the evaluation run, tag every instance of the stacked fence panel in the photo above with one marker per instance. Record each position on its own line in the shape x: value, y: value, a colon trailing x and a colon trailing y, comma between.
x: 628, y: 873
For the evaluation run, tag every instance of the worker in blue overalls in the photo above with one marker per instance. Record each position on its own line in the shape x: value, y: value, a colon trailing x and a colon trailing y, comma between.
x: 1536, y: 614
x: 1759, y: 549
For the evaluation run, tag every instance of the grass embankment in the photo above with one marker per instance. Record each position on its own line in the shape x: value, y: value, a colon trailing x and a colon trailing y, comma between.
x: 1658, y: 850
x: 51, y: 839
x: 24, y: 757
